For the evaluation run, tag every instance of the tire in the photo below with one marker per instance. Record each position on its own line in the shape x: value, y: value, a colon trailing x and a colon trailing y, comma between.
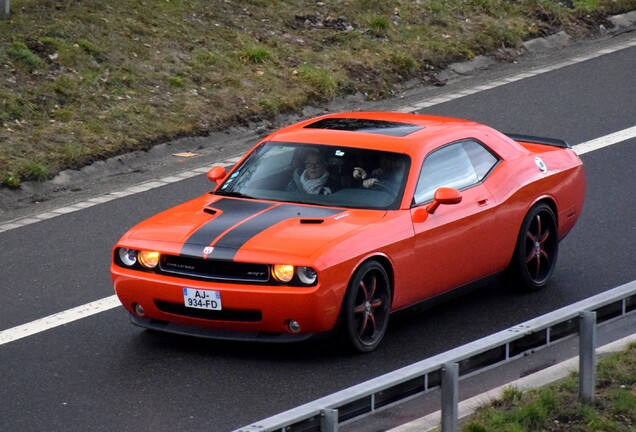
x: 366, y: 307
x: 536, y: 250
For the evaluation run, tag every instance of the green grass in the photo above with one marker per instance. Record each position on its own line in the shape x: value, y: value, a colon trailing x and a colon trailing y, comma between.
x: 83, y: 81
x: 557, y: 408
x: 323, y: 82
x: 256, y: 54
x: 24, y: 57
x: 379, y: 26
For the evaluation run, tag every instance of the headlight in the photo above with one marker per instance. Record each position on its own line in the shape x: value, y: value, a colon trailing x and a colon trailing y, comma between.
x: 148, y: 259
x: 283, y: 272
x: 128, y: 257
x: 307, y: 275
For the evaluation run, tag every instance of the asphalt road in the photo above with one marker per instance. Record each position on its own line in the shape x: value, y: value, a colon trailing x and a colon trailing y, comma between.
x: 101, y: 373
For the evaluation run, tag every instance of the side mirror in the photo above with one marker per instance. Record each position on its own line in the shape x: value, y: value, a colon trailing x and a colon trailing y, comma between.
x: 444, y: 195
x: 419, y: 215
x: 217, y: 174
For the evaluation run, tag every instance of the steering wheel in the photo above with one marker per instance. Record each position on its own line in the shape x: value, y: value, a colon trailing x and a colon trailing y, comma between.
x: 383, y: 187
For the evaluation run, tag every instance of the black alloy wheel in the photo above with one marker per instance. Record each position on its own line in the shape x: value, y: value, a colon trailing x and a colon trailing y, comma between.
x: 366, y: 307
x: 536, y: 250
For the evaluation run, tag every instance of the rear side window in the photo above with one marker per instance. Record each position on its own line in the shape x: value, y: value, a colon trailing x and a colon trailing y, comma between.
x: 458, y: 165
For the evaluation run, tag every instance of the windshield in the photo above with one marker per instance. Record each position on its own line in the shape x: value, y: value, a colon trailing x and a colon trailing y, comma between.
x: 321, y: 175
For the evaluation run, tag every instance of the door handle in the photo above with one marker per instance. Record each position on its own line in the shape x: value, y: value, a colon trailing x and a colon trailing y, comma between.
x: 482, y: 200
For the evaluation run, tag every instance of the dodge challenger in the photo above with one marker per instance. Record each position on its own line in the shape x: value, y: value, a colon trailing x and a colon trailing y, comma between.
x: 333, y: 224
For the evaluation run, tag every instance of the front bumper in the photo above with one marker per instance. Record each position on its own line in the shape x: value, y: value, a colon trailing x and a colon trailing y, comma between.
x: 249, y: 312
x: 186, y: 330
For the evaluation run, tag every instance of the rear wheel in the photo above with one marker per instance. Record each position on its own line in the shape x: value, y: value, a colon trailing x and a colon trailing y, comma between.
x: 536, y: 250
x: 366, y: 307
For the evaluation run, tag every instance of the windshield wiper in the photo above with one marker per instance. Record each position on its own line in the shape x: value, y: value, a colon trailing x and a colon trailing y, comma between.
x: 312, y: 202
x: 233, y: 194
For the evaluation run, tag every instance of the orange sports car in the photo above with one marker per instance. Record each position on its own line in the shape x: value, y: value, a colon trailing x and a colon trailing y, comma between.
x: 336, y: 222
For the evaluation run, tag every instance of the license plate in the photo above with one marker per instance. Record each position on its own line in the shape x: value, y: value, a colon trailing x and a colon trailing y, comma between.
x: 202, y: 299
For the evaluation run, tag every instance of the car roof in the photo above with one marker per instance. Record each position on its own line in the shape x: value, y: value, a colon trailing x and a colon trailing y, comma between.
x: 374, y: 130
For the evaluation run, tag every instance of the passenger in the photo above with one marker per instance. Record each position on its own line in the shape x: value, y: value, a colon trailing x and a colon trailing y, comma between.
x: 315, y: 178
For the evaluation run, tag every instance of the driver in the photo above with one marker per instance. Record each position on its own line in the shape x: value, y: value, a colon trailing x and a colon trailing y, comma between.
x: 390, y: 173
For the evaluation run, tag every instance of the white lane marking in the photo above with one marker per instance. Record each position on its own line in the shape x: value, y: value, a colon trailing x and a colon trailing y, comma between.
x: 131, y: 190
x: 510, y: 79
x: 605, y: 141
x: 112, y: 302
x: 58, y: 319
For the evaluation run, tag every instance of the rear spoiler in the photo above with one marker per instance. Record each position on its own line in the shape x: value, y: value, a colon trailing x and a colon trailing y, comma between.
x: 539, y: 140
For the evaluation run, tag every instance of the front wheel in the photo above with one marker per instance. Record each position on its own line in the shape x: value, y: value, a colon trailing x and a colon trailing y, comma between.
x: 536, y: 249
x: 366, y: 307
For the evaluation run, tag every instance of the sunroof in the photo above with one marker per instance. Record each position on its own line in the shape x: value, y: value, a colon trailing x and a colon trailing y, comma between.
x: 381, y: 127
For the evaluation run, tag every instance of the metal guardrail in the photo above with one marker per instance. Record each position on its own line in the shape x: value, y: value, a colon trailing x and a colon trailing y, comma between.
x: 445, y: 370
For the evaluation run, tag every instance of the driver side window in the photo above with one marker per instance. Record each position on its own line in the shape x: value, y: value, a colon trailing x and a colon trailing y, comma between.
x: 459, y: 165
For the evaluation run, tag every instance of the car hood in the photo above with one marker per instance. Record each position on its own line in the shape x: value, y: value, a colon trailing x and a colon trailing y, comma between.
x: 222, y: 228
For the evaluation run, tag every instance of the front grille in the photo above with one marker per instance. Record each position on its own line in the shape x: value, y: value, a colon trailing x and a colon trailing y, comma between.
x: 221, y: 315
x: 197, y: 268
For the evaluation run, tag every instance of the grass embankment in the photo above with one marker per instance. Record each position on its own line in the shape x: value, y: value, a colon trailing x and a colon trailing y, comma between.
x: 83, y: 80
x: 556, y: 407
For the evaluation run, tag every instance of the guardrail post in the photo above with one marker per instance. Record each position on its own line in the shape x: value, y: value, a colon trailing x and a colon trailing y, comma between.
x: 450, y: 396
x: 5, y: 6
x: 329, y: 420
x: 587, y: 355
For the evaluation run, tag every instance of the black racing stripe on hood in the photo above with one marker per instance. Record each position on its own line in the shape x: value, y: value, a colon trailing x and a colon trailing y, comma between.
x: 231, y: 242
x: 233, y: 212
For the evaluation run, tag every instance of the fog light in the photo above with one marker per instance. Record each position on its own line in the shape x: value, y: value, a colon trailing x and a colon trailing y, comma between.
x: 139, y: 309
x: 294, y: 326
